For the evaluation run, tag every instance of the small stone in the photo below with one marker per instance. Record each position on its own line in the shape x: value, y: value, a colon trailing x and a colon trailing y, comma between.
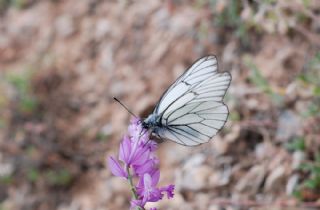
x: 202, y: 199
x: 103, y: 27
x: 6, y: 169
x: 264, y: 150
x: 220, y: 178
x: 117, y: 185
x: 220, y: 146
x: 289, y: 125
x: 175, y: 154
x: 292, y: 184
x: 178, y: 200
x: 275, y: 179
x: 297, y: 158
x: 106, y: 130
x: 194, y: 161
x: 65, y: 26
x: 196, y: 178
x: 252, y: 180
x: 214, y: 207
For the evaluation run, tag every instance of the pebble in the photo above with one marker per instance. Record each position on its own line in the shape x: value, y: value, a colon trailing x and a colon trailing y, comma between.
x: 297, y: 158
x: 214, y: 207
x: 64, y: 26
x: 6, y: 169
x: 202, y: 199
x: 118, y: 185
x: 274, y: 180
x: 195, y: 179
x: 289, y: 125
x: 252, y: 180
x: 292, y: 184
x: 174, y: 154
x: 195, y: 160
x: 220, y: 178
x: 103, y: 28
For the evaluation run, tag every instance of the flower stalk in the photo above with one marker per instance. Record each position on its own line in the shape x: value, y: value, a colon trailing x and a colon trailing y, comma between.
x: 133, y: 189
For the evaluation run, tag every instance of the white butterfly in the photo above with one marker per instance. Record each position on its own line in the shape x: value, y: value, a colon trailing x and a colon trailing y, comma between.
x: 192, y: 111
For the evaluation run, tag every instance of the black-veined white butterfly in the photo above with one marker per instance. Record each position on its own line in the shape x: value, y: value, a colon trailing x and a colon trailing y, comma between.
x: 192, y: 111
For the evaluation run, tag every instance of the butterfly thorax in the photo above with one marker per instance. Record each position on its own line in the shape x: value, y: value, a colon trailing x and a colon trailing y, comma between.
x: 151, y: 122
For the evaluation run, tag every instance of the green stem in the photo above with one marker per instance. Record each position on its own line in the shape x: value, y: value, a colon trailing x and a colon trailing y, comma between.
x: 133, y: 189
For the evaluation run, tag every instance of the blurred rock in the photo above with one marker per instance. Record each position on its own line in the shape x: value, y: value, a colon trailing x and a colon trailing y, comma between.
x: 194, y: 161
x: 292, y: 91
x: 195, y: 178
x: 65, y: 26
x: 233, y: 134
x: 214, y: 207
x: 106, y: 130
x: 117, y: 185
x: 103, y: 28
x: 202, y: 199
x: 265, y: 150
x: 6, y: 168
x: 292, y: 184
x: 177, y: 200
x: 220, y: 177
x: 176, y: 154
x: 251, y: 182
x: 220, y: 146
x: 297, y: 158
x: 289, y: 125
x: 274, y: 181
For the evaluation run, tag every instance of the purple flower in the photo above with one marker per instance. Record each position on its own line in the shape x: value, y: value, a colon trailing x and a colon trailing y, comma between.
x: 116, y: 168
x: 147, y: 188
x: 138, y: 159
x: 148, y: 191
x: 131, y: 153
x: 169, y: 190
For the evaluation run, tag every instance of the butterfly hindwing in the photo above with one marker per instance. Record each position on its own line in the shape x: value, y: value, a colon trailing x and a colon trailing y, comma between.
x: 195, y: 123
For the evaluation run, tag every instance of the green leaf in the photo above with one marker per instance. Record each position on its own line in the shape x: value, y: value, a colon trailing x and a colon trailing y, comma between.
x: 297, y: 144
x: 7, y: 179
x: 311, y: 184
x: 316, y: 91
x: 33, y: 175
x: 60, y: 177
x: 317, y: 157
x: 306, y: 167
x: 256, y: 78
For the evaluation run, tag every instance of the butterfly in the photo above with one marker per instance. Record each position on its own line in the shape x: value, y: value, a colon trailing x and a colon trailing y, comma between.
x: 191, y: 111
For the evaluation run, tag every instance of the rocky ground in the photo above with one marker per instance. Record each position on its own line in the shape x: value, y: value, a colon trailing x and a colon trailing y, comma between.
x: 61, y: 62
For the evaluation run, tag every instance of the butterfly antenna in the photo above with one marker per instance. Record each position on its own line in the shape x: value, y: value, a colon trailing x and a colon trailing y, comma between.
x: 124, y: 106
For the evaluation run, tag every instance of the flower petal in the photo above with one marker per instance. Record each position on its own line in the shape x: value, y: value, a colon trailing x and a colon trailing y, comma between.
x: 147, y: 182
x: 137, y: 203
x: 125, y: 150
x: 155, y: 177
x: 148, y: 167
x: 116, y: 168
x: 169, y: 190
x: 139, y: 155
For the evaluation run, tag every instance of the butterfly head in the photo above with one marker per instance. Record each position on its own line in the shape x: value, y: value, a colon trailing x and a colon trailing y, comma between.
x: 151, y: 122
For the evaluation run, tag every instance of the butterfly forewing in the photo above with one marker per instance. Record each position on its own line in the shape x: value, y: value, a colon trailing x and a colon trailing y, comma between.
x: 191, y: 110
x: 200, y: 70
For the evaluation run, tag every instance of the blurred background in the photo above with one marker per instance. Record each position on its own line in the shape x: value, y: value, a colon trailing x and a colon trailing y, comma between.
x: 62, y: 61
